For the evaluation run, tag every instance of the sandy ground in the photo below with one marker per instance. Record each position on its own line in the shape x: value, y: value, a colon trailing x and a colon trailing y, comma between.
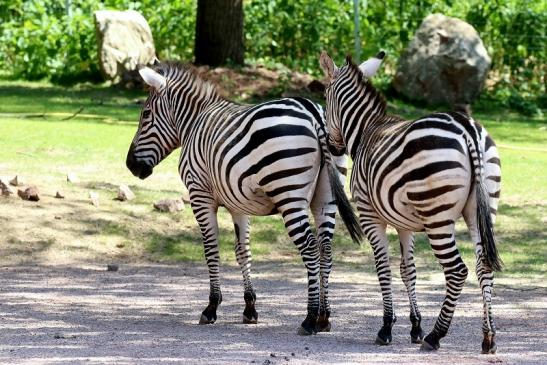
x: 148, y: 314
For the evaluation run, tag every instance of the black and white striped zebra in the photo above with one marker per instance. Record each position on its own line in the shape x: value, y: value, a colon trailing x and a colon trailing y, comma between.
x: 419, y: 175
x: 253, y: 160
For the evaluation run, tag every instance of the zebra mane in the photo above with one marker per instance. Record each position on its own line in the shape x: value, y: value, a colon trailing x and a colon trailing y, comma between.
x: 186, y: 74
x: 375, y: 96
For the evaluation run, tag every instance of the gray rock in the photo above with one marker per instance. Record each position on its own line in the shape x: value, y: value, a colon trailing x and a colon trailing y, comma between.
x: 124, y: 193
x: 59, y: 194
x: 30, y: 193
x: 169, y: 205
x: 445, y: 62
x: 124, y: 41
x: 5, y: 188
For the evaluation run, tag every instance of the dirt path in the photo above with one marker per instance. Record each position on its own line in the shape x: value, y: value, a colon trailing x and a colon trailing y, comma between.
x: 147, y: 314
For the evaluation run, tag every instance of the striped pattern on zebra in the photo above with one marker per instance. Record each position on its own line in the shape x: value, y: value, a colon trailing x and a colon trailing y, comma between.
x: 253, y: 160
x: 419, y: 175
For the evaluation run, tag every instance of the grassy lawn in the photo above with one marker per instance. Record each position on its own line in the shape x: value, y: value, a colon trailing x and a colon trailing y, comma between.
x: 42, y: 140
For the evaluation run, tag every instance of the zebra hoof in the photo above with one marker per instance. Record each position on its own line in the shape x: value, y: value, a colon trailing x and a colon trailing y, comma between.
x: 417, y: 335
x: 384, y: 336
x: 306, y: 332
x: 430, y: 344
x: 307, y: 327
x: 382, y: 342
x: 488, y: 345
x: 205, y: 320
x: 251, y: 320
x: 323, y: 323
x: 250, y: 316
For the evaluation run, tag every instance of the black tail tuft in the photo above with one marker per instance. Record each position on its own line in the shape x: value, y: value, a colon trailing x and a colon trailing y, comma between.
x: 486, y: 230
x: 344, y: 206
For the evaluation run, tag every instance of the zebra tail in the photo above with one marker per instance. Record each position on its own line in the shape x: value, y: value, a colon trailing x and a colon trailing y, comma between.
x: 484, y: 217
x: 486, y: 229
x: 344, y: 206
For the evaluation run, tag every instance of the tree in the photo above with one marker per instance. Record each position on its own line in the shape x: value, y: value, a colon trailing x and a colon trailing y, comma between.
x: 219, y: 32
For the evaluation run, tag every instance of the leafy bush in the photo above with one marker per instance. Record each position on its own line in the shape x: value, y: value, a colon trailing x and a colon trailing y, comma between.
x: 38, y: 38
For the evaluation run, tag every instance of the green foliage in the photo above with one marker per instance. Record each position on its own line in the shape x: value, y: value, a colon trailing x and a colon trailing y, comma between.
x: 38, y: 38
x: 48, y: 39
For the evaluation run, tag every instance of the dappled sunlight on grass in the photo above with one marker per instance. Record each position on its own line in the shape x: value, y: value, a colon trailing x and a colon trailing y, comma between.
x: 37, y: 144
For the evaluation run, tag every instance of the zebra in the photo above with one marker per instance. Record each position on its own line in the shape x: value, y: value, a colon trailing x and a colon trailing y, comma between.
x: 259, y: 159
x: 419, y: 175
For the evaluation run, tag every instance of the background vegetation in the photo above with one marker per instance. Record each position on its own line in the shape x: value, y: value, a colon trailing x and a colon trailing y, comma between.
x: 48, y: 39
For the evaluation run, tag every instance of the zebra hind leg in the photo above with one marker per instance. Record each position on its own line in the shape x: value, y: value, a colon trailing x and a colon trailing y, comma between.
x: 485, y: 276
x: 323, y: 208
x: 244, y: 259
x: 297, y: 224
x: 442, y: 240
x: 408, y: 274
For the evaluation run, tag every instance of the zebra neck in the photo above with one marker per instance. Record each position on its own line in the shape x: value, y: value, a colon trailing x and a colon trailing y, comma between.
x: 359, y: 128
x: 198, y: 114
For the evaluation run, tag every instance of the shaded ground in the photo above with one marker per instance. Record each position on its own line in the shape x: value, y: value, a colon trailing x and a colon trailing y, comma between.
x: 148, y: 314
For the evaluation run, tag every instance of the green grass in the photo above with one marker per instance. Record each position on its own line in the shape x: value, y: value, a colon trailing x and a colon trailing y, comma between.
x: 38, y: 144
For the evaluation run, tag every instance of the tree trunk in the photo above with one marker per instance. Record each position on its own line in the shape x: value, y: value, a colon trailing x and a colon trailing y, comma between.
x: 219, y: 32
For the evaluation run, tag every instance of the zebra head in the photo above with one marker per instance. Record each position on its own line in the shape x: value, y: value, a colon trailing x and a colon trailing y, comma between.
x: 340, y: 83
x: 156, y: 135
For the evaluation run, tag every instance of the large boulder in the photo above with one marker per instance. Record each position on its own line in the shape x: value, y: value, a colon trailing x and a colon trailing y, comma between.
x: 125, y: 41
x: 446, y: 63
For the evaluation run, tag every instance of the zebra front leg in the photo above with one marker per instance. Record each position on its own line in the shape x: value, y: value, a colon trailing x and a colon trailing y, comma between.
x: 207, y: 220
x: 408, y: 275
x: 442, y: 240
x: 244, y: 259
x: 376, y: 235
x: 298, y: 227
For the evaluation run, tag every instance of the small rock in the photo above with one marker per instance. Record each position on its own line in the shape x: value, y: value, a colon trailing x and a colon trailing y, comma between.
x: 286, y: 358
x: 120, y: 245
x: 57, y: 217
x: 293, y: 354
x: 124, y: 193
x: 272, y: 355
x: 267, y: 362
x: 16, y: 181
x: 169, y: 205
x: 72, y: 178
x: 94, y: 198
x: 59, y: 194
x: 112, y: 267
x: 30, y: 193
x: 6, y: 189
x: 306, y: 348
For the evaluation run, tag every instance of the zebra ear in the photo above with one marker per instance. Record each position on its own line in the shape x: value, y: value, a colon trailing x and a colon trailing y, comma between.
x: 153, y: 78
x: 371, y: 66
x: 328, y: 66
